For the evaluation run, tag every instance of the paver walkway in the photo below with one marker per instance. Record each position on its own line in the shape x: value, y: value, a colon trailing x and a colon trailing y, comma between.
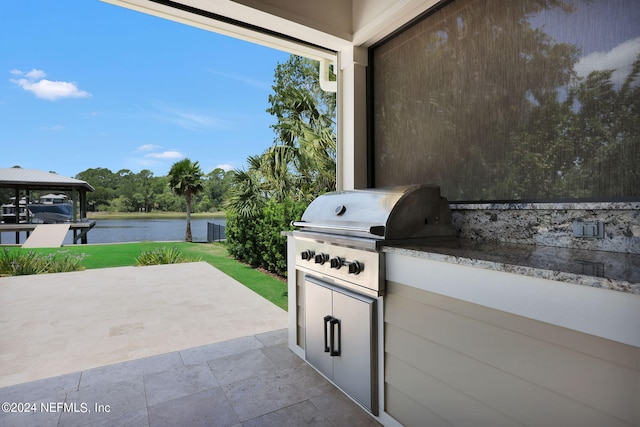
x: 54, y: 324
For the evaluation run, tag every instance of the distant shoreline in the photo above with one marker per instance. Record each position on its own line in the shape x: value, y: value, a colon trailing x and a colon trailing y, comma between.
x: 153, y: 215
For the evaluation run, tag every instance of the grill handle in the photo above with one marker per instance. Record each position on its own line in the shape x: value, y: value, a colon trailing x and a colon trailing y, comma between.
x: 377, y: 230
x: 327, y: 319
x: 332, y: 323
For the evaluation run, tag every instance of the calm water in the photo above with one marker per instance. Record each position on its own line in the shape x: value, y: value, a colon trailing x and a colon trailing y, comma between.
x: 127, y: 230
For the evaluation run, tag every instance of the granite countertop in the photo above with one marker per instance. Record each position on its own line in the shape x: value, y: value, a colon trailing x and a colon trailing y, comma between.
x: 600, y: 269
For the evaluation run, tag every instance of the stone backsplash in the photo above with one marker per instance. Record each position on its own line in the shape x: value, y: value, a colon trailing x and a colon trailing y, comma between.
x: 550, y: 224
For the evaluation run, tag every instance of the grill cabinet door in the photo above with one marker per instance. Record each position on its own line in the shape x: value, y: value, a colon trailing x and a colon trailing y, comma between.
x: 354, y: 369
x: 318, y: 304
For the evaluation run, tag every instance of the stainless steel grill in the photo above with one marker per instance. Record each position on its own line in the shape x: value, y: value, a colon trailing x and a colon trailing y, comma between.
x: 394, y: 213
x: 341, y: 234
x: 339, y: 253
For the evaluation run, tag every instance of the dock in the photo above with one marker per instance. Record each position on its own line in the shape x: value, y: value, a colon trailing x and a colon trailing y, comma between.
x: 22, y: 182
x: 79, y: 229
x: 47, y: 236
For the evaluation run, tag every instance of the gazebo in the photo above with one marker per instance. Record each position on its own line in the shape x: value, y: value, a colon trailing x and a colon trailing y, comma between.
x: 23, y: 181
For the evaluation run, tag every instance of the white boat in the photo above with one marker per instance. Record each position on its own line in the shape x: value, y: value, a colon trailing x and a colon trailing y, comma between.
x: 52, y: 209
x: 9, y: 211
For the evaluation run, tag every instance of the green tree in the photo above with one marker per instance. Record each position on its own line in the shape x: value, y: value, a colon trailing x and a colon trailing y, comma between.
x: 258, y: 239
x: 301, y: 164
x: 164, y: 198
x: 216, y: 185
x: 278, y: 184
x: 246, y: 196
x: 104, y: 182
x: 305, y: 144
x: 144, y: 186
x: 127, y: 188
x: 121, y: 204
x: 185, y: 179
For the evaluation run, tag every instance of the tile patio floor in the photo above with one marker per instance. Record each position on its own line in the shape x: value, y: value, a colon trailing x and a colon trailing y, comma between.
x: 172, y: 368
x: 60, y: 323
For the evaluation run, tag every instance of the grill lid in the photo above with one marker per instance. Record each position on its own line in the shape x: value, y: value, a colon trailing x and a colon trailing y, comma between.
x: 391, y: 213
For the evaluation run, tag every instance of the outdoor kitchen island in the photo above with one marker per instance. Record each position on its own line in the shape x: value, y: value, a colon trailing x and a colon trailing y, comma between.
x: 503, y: 334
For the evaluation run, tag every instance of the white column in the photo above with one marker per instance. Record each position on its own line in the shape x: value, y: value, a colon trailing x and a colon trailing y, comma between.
x: 352, y: 119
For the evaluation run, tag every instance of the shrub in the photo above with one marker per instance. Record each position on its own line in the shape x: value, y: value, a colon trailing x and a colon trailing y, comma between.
x: 258, y: 240
x: 19, y: 263
x: 63, y: 262
x: 163, y: 255
x: 277, y: 218
x: 242, y: 237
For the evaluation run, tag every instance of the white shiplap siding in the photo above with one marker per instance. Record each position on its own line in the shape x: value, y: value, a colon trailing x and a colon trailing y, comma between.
x: 469, y: 365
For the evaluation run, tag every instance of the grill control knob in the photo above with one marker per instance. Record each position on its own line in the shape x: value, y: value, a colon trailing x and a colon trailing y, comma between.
x: 336, y: 262
x: 321, y: 258
x: 355, y: 267
x: 307, y: 254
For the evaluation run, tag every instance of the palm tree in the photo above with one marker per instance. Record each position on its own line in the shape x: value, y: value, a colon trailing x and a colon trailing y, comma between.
x: 301, y: 164
x: 246, y: 195
x: 185, y: 179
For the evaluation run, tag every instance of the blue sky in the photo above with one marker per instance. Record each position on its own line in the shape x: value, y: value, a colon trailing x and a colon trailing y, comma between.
x: 86, y: 84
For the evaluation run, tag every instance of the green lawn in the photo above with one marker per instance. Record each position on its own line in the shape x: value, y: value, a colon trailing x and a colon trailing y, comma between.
x: 125, y: 254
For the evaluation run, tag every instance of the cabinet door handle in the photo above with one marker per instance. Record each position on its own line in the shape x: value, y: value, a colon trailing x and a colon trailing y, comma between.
x: 327, y: 319
x: 333, y: 322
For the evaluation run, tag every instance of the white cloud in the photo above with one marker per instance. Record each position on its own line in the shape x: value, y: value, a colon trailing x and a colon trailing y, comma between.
x: 620, y: 58
x: 54, y: 128
x: 243, y: 79
x: 165, y: 155
x: 34, y: 82
x: 189, y: 120
x: 35, y: 74
x: 47, y: 89
x: 225, y: 167
x: 148, y: 147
